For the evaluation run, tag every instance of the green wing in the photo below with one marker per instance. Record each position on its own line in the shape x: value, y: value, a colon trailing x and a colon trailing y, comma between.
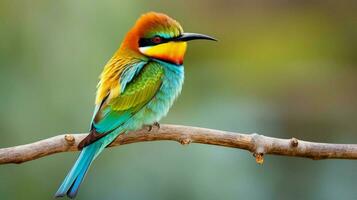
x: 142, y: 88
x: 115, y: 112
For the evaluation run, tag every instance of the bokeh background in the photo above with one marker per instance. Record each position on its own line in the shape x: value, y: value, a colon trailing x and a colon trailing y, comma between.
x: 280, y: 68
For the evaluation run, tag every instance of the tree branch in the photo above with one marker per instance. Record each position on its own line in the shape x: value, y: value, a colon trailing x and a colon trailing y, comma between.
x: 259, y: 145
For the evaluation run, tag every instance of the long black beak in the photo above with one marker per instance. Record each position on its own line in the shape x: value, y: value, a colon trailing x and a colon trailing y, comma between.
x: 193, y: 36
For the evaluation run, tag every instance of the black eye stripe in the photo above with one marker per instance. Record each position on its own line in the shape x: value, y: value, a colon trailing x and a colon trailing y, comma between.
x: 143, y: 42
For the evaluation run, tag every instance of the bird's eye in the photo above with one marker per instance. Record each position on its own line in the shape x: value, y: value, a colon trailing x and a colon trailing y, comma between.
x: 156, y: 40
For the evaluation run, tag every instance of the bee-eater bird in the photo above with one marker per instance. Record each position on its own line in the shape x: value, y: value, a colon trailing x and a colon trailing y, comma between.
x: 137, y: 87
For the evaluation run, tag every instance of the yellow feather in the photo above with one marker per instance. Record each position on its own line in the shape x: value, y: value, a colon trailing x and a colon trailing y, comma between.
x: 109, y: 83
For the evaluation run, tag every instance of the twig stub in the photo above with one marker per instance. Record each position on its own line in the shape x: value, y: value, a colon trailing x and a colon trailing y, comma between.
x: 294, y: 142
x: 185, y: 141
x: 259, y: 158
x: 70, y: 139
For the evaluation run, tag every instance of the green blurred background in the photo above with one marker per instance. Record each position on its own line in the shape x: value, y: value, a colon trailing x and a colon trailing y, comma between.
x: 280, y: 68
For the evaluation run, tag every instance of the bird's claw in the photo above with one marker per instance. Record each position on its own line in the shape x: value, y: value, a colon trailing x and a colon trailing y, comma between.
x: 156, y: 124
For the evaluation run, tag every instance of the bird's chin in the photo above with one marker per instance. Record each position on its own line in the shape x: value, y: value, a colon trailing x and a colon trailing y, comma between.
x: 172, y: 52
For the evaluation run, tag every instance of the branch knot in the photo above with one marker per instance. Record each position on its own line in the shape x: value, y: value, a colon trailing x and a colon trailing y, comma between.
x: 69, y: 139
x: 185, y: 141
x: 294, y: 142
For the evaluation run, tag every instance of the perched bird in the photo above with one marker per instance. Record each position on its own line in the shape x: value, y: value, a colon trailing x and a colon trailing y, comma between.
x: 137, y: 87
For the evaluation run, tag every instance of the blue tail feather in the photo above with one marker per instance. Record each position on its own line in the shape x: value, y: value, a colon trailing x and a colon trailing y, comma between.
x: 72, y: 192
x: 73, y: 180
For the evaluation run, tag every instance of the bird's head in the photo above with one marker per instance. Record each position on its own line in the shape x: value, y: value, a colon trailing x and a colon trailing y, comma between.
x: 157, y: 36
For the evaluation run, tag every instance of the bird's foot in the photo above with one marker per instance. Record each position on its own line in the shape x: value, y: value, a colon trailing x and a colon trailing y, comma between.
x: 155, y: 124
